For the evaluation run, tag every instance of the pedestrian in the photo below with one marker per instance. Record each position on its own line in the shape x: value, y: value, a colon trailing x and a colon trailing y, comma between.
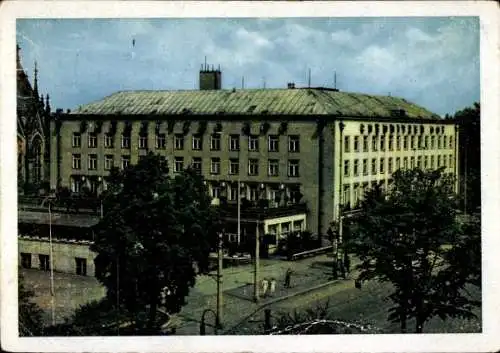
x: 272, y: 286
x: 288, y: 276
x: 265, y: 284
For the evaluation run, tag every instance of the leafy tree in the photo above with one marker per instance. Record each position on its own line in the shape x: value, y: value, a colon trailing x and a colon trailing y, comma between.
x: 156, y: 232
x: 469, y: 122
x: 409, y: 236
x: 30, y: 314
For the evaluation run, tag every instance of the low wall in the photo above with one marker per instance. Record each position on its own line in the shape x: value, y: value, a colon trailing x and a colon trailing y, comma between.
x: 64, y: 253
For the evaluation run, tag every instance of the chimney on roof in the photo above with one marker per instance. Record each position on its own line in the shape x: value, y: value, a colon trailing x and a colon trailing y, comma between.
x: 291, y: 85
x: 210, y: 79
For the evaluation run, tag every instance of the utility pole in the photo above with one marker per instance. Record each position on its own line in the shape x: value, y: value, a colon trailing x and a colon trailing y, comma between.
x: 239, y: 205
x: 257, y: 255
x: 51, y: 264
x: 218, y: 318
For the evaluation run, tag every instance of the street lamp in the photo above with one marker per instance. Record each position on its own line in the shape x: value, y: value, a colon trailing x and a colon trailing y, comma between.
x: 218, y: 317
x: 257, y: 254
x: 52, y: 294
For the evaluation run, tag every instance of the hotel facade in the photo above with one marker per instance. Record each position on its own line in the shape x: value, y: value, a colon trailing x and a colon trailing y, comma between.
x: 310, y: 152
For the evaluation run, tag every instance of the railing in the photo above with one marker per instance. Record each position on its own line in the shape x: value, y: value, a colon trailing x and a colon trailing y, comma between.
x: 312, y: 252
x: 76, y: 204
x: 253, y: 211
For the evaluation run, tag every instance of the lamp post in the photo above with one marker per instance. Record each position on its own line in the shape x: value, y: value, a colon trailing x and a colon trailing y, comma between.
x: 257, y: 255
x: 218, y: 317
x: 52, y: 294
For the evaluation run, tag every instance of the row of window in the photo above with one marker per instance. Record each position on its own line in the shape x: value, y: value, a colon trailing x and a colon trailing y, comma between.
x: 401, y: 129
x: 362, y: 143
x: 196, y: 142
x: 215, y: 164
x: 378, y: 165
x: 253, y: 193
x: 44, y: 263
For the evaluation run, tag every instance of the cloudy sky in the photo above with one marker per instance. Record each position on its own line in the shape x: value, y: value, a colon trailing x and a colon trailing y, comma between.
x: 433, y: 62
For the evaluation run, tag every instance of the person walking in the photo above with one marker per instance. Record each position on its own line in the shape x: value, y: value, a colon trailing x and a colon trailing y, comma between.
x: 288, y: 276
x: 265, y: 284
x: 272, y: 286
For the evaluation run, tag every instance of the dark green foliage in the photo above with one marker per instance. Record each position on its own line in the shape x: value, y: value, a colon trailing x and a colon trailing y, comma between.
x: 30, y: 314
x: 156, y: 232
x: 469, y: 122
x: 409, y: 236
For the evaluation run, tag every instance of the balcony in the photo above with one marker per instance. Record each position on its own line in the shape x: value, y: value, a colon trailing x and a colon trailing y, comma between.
x: 251, y: 211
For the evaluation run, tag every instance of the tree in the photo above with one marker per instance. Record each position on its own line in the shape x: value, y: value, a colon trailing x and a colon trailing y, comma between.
x: 409, y: 236
x: 469, y: 122
x: 30, y: 314
x: 156, y: 232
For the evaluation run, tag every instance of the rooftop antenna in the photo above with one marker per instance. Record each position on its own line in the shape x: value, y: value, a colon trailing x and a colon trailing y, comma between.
x: 264, y: 82
x: 242, y: 82
x: 309, y: 78
x: 205, y: 67
x: 335, y: 80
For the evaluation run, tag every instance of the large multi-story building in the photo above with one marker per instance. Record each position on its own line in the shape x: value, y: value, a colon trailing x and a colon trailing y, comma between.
x: 314, y: 147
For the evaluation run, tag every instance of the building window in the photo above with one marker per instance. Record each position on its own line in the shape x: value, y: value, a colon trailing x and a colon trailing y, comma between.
x: 81, y: 266
x: 439, y: 142
x: 444, y: 161
x: 108, y: 141
x: 412, y: 162
x: 125, y: 162
x: 389, y: 165
x: 433, y: 142
x: 426, y: 143
x: 196, y: 142
x: 432, y: 162
x: 215, y: 142
x: 450, y: 142
x: 92, y: 138
x: 391, y: 142
x: 76, y: 141
x: 294, y: 143
x: 405, y: 143
x: 25, y: 260
x: 405, y: 162
x: 439, y: 161
x: 445, y: 141
x: 398, y: 142
x: 75, y: 185
x: 450, y: 163
x: 355, y: 195
x: 253, y: 193
x: 346, y: 195
x: 253, y: 143
x: 382, y: 143
x: 419, y: 142
x: 293, y: 168
x: 374, y: 166
x: 125, y: 141
x: 179, y: 141
x: 234, y: 166
x: 215, y: 192
x: 160, y: 141
x: 365, y: 166
x: 215, y: 165
x: 346, y: 168
x: 273, y: 167
x: 412, y: 139
x: 273, y: 143
x: 356, y: 167
x: 234, y: 143
x: 108, y: 162
x: 381, y: 167
x: 253, y: 167
x: 419, y: 162
x: 398, y: 163
x: 356, y: 143
x: 76, y: 161
x: 374, y: 143
x: 92, y: 162
x: 197, y: 164
x: 347, y: 144
x: 178, y: 164
x: 426, y: 162
x: 143, y: 142
x: 233, y: 193
x: 44, y: 262
x: 365, y: 143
